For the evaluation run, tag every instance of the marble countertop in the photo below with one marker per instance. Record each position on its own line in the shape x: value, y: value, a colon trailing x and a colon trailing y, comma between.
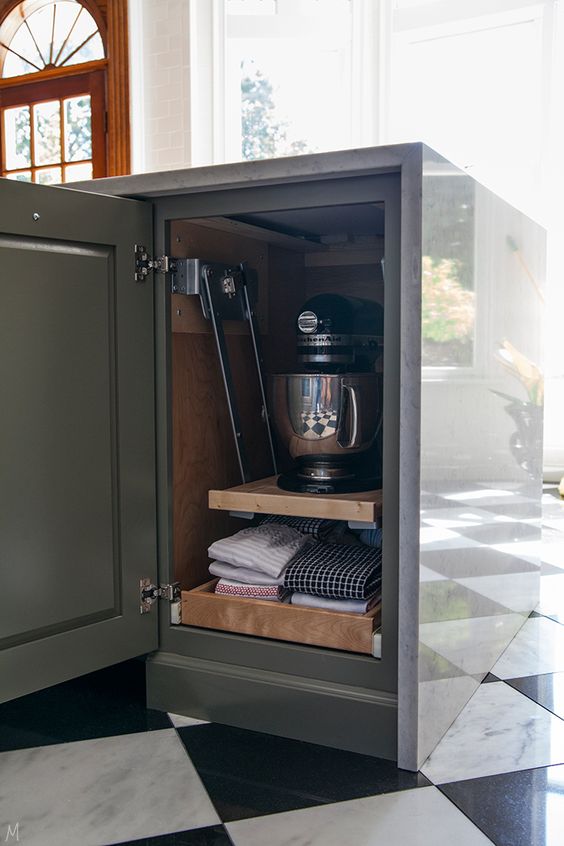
x: 266, y: 171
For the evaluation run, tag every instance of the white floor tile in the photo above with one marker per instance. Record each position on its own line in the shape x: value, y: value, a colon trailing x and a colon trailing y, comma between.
x: 178, y: 721
x: 551, y: 602
x: 499, y: 731
x: 527, y: 550
x: 431, y: 537
x: 102, y: 791
x: 537, y: 648
x: 471, y: 644
x: 552, y: 552
x: 418, y: 817
x: 428, y: 575
x: 516, y: 591
x: 453, y: 518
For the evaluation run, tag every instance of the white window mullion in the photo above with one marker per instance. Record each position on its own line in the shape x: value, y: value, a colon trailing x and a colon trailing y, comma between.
x: 219, y: 81
x: 207, y: 81
x: 370, y: 47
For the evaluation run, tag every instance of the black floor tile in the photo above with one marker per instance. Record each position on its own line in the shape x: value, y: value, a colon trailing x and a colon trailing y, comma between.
x: 514, y: 809
x: 433, y: 666
x: 499, y: 532
x: 546, y: 689
x: 449, y: 600
x: 101, y: 704
x: 431, y: 501
x: 490, y: 678
x: 214, y: 835
x: 249, y: 774
x: 550, y: 569
x: 475, y: 561
x: 552, y: 490
x: 526, y: 510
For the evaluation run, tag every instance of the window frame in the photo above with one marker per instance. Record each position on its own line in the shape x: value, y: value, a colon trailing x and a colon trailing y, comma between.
x: 30, y: 89
x: 209, y: 83
x: 112, y: 21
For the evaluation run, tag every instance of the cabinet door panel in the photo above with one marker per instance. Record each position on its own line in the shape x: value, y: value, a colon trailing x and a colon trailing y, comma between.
x: 56, y: 499
x: 77, y: 503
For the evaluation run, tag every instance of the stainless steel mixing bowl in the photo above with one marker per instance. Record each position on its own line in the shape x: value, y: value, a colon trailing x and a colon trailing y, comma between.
x: 329, y: 415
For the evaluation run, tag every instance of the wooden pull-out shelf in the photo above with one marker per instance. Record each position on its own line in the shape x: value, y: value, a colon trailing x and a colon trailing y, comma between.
x: 265, y: 497
x: 281, y: 621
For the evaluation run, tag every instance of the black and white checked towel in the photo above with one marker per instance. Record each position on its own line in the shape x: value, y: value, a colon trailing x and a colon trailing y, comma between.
x: 335, y: 571
x: 315, y: 527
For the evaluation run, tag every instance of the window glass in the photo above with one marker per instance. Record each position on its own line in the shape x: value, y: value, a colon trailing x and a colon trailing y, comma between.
x: 17, y: 135
x: 47, y: 132
x: 48, y: 160
x: 78, y: 129
x: 48, y: 176
x: 472, y: 90
x: 75, y: 172
x: 287, y: 77
x: 54, y: 35
x: 22, y: 176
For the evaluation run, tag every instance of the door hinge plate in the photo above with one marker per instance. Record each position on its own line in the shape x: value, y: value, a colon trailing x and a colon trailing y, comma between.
x: 149, y: 593
x: 144, y: 264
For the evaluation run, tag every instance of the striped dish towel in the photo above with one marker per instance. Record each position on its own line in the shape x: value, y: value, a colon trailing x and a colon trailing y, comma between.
x: 227, y: 587
x: 267, y: 548
x: 243, y: 574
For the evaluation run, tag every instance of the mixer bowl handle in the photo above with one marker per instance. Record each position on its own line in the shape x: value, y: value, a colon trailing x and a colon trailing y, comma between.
x: 349, y: 407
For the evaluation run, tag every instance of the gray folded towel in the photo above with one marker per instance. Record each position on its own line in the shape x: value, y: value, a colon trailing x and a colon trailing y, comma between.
x: 243, y: 574
x: 349, y: 606
x: 267, y: 548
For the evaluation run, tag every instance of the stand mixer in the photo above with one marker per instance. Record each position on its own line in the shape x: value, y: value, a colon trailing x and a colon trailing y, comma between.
x: 329, y: 414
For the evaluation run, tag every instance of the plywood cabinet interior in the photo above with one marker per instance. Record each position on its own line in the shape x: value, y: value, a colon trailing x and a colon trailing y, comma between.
x: 290, y: 270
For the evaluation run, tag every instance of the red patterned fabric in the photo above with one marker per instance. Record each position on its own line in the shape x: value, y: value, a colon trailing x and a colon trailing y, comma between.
x: 251, y: 591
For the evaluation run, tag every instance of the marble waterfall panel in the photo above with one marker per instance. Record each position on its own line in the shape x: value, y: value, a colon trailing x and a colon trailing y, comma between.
x: 481, y: 436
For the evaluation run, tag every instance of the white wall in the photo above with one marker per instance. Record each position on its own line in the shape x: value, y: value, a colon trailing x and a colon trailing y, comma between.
x: 160, y: 84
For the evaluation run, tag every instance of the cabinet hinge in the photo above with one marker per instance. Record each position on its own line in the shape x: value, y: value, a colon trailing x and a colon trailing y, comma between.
x: 144, y: 264
x: 149, y: 593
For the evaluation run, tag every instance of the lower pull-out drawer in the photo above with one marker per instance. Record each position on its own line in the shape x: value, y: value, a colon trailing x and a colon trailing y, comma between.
x: 281, y: 621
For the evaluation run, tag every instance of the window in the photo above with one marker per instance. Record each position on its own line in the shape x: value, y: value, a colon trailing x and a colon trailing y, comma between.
x: 282, y: 77
x: 55, y: 35
x: 472, y: 82
x: 287, y: 71
x: 52, y: 93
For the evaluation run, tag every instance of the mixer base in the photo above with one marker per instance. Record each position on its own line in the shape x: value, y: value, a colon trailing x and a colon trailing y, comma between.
x: 292, y: 481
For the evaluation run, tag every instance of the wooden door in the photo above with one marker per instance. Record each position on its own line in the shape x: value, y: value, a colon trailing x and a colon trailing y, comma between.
x: 77, y: 463
x: 53, y: 130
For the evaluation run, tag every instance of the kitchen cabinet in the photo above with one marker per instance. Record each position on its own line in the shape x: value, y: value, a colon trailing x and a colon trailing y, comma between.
x: 119, y: 465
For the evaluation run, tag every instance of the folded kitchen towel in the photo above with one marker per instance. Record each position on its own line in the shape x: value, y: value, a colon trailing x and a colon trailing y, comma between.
x: 349, y: 606
x: 335, y: 571
x: 243, y: 574
x: 267, y: 548
x: 229, y: 587
x: 371, y: 537
x: 315, y: 527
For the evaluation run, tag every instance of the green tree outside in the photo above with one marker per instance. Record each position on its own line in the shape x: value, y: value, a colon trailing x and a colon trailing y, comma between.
x: 263, y: 136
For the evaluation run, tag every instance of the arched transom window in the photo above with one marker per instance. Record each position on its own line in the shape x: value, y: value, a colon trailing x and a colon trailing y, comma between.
x: 36, y: 36
x: 52, y: 92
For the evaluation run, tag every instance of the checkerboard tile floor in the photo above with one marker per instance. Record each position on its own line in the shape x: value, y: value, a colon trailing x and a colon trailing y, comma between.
x: 87, y: 764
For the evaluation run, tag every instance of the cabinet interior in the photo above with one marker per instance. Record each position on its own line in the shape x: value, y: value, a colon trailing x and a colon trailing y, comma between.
x: 297, y: 254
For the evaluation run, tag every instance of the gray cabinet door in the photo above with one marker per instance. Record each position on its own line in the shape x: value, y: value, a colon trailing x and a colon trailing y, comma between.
x: 77, y: 462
